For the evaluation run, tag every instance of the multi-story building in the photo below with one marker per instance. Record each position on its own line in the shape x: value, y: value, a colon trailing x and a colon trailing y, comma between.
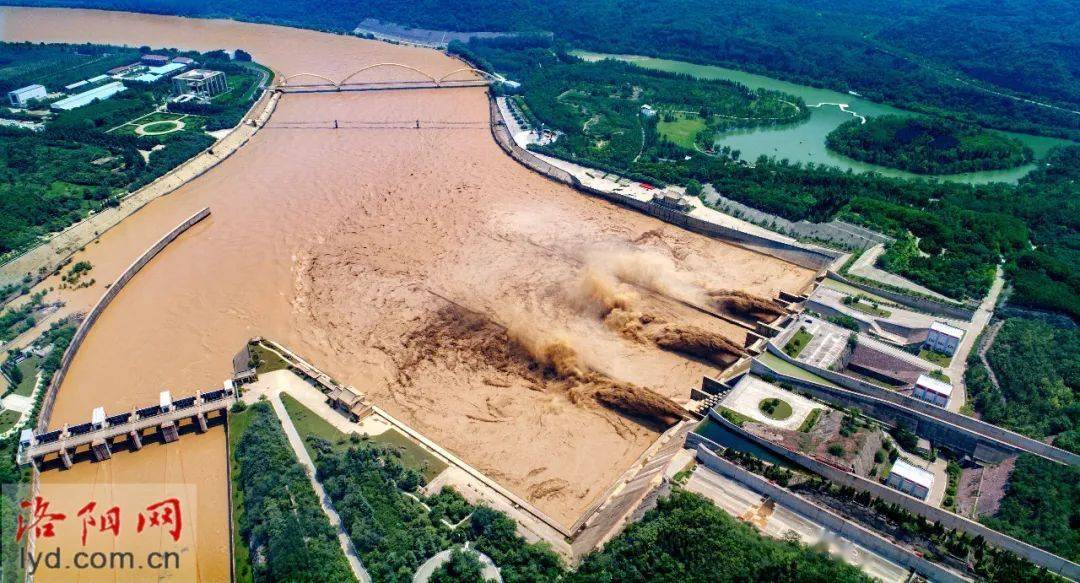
x: 943, y: 338
x: 202, y: 82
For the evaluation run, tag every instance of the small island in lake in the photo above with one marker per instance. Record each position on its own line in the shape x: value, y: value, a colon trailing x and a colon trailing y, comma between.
x: 926, y: 145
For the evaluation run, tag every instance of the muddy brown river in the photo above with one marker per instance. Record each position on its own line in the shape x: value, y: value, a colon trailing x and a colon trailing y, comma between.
x: 423, y: 266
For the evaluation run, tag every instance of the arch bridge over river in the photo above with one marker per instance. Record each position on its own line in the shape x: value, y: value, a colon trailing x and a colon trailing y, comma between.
x: 316, y: 83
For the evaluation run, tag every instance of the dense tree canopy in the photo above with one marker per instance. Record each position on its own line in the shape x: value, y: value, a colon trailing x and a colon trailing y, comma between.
x: 1038, y: 368
x: 926, y: 145
x: 80, y: 163
x: 1040, y: 506
x: 687, y: 539
x: 914, y: 53
x: 282, y: 521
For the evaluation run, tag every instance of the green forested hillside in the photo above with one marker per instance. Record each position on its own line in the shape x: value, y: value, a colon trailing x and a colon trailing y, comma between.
x: 1038, y: 368
x: 950, y: 235
x: 907, y: 52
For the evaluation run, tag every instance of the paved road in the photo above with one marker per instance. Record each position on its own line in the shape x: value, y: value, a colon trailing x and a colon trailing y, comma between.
x: 982, y: 316
x: 777, y: 521
x: 423, y: 574
x: 297, y: 444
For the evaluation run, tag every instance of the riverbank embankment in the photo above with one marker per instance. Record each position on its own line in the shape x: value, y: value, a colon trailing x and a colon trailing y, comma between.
x: 40, y: 261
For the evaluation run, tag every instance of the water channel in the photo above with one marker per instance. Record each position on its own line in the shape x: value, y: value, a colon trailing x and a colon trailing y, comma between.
x: 805, y: 141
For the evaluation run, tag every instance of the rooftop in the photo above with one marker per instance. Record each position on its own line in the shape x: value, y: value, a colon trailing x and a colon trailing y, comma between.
x: 947, y: 330
x: 197, y: 74
x: 913, y: 473
x: 935, y: 385
x: 28, y: 89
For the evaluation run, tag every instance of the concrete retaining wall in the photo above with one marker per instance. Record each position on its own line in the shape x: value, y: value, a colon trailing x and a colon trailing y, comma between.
x: 1006, y: 440
x: 834, y: 231
x: 947, y: 519
x: 99, y: 307
x: 850, y: 530
x: 808, y: 256
x: 917, y: 303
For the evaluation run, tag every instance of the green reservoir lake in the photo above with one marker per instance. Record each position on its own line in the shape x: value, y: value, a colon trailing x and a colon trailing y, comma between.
x: 805, y: 141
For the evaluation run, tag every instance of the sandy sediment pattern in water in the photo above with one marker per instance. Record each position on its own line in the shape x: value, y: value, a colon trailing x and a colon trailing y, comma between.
x: 422, y: 266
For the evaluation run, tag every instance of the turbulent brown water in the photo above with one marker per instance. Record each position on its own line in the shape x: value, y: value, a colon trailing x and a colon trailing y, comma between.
x: 345, y: 244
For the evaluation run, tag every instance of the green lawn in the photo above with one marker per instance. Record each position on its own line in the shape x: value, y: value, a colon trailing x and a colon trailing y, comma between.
x: 238, y: 423
x: 798, y: 342
x: 683, y: 130
x: 810, y: 420
x: 8, y: 418
x: 867, y: 308
x: 267, y: 360
x: 774, y: 408
x: 937, y: 358
x: 413, y: 455
x: 786, y: 368
x: 29, y: 370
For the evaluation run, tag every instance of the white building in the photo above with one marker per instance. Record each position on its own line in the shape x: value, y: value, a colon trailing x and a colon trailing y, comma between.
x: 202, y: 82
x: 21, y: 96
x: 932, y: 390
x: 943, y: 338
x: 100, y: 93
x: 909, y: 479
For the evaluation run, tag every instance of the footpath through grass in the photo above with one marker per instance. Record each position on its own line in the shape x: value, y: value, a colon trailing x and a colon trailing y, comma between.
x: 413, y: 455
x: 278, y: 518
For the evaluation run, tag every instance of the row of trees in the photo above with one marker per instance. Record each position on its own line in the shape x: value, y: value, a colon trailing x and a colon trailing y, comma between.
x: 281, y: 521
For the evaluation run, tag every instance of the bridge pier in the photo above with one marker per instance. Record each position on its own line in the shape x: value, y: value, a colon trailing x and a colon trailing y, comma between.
x: 135, y: 440
x: 65, y: 458
x: 200, y: 423
x: 169, y: 432
x: 101, y: 450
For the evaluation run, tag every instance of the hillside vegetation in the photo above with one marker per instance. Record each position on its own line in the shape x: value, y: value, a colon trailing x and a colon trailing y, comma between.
x: 950, y: 235
x: 926, y: 145
x: 1038, y: 367
x: 908, y: 52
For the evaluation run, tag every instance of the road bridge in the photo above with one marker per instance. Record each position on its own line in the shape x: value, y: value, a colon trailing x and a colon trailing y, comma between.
x: 97, y: 437
x: 315, y: 83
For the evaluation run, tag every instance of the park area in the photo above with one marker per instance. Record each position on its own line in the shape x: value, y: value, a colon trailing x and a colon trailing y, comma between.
x: 763, y: 402
x: 160, y: 123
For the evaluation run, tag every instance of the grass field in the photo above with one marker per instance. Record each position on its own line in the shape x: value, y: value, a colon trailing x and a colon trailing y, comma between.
x: 412, y: 455
x: 7, y: 419
x: 798, y: 341
x: 683, y: 130
x: 773, y: 408
x: 29, y: 370
x: 937, y: 358
x: 159, y: 121
x: 268, y: 360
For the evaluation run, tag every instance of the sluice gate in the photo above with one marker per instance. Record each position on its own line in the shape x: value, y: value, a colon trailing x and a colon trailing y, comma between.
x: 94, y: 440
